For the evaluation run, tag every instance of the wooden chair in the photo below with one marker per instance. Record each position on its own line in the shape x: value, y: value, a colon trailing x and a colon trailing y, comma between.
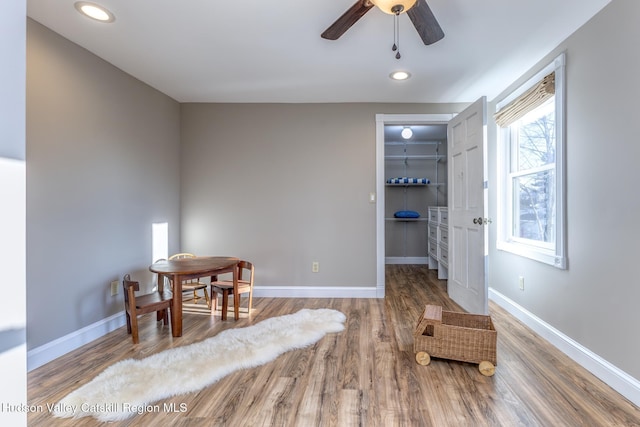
x: 225, y: 287
x: 160, y: 302
x: 193, y: 285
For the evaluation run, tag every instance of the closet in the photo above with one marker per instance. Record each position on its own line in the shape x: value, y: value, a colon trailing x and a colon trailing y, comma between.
x: 415, y: 180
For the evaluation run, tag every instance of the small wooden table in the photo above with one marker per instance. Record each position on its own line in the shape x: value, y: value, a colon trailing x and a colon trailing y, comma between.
x: 181, y: 269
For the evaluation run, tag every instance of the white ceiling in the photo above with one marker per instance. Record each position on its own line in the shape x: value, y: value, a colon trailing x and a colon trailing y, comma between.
x: 262, y: 51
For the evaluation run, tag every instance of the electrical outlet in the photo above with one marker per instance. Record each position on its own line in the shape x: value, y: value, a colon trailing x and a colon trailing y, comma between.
x: 115, y: 285
x: 521, y: 282
x: 315, y: 267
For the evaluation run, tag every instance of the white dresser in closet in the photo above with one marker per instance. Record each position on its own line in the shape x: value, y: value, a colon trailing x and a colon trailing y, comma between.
x: 438, y: 240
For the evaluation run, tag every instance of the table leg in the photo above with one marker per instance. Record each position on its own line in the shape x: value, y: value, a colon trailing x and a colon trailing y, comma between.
x: 176, y: 309
x: 236, y: 295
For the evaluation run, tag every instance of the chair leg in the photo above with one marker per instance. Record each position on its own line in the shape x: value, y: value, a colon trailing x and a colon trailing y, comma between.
x: 134, y: 329
x: 163, y: 315
x: 237, y: 302
x: 128, y: 322
x: 214, y: 300
x: 250, y: 299
x: 207, y: 299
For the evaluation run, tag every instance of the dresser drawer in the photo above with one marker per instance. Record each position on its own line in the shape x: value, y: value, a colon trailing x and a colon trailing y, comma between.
x: 444, y: 216
x: 433, y: 248
x: 433, y: 214
x: 444, y: 256
x: 433, y: 232
x: 444, y: 235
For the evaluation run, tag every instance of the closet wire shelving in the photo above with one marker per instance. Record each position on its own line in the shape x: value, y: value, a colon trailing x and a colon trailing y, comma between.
x: 437, y: 157
x: 435, y: 179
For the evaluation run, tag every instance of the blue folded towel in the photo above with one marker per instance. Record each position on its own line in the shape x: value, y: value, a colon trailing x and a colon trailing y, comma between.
x: 406, y: 214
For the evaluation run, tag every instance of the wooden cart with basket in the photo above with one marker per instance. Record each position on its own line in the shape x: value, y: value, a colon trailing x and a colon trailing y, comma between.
x: 457, y: 336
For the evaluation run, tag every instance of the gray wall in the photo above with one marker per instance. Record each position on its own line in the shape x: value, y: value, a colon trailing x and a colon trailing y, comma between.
x: 285, y: 185
x: 102, y: 166
x: 596, y: 300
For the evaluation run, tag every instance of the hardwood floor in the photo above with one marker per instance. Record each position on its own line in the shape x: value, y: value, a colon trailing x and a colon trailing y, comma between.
x: 364, y: 376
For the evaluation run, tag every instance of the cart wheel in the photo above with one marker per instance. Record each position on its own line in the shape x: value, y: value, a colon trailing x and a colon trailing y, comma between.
x: 486, y: 368
x: 423, y: 358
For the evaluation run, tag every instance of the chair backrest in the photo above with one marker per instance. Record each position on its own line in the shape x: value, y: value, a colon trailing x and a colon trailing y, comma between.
x: 182, y: 255
x: 245, y: 265
x: 165, y: 281
x: 129, y: 286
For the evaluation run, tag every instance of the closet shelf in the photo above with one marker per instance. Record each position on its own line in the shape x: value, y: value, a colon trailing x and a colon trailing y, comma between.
x: 407, y: 219
x: 431, y: 184
x: 415, y: 157
x: 404, y: 143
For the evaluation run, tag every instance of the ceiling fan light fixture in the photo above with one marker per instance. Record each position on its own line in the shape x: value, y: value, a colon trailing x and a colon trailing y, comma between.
x: 400, y: 75
x: 390, y: 6
x: 94, y: 11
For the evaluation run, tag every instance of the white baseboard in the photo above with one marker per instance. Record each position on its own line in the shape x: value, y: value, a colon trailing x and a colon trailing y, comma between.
x: 406, y: 260
x: 63, y: 345
x: 314, y: 292
x: 56, y: 348
x: 617, y: 379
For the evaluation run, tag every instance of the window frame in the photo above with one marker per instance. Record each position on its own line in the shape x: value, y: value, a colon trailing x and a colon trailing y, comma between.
x: 555, y: 253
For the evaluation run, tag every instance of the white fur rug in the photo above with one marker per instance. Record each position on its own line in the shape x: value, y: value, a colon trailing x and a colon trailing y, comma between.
x: 121, y: 390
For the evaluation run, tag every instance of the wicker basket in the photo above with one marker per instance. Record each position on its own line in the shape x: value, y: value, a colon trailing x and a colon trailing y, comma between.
x: 456, y: 336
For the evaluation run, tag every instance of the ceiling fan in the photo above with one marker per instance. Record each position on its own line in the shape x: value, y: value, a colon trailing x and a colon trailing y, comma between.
x: 418, y: 11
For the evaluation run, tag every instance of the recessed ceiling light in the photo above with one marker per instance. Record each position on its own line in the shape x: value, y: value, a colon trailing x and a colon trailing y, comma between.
x: 400, y: 75
x: 94, y: 11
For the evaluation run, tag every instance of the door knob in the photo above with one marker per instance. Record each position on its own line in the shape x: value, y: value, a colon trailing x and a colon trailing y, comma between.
x: 482, y: 221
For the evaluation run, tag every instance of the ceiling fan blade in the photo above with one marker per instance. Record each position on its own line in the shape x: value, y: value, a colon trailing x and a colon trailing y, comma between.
x: 347, y: 19
x: 425, y: 23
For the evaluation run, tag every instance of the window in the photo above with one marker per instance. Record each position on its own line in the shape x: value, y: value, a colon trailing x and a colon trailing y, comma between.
x: 530, y: 168
x: 159, y: 241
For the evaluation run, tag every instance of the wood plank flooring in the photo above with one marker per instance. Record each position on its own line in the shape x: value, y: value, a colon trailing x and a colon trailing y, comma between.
x: 364, y: 376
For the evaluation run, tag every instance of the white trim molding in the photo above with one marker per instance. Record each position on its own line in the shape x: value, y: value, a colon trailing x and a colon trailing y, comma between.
x: 381, y: 121
x: 315, y: 292
x: 555, y: 253
x: 63, y: 345
x: 617, y: 379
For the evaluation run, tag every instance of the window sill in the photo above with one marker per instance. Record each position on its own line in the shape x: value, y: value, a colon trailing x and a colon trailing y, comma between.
x: 533, y: 253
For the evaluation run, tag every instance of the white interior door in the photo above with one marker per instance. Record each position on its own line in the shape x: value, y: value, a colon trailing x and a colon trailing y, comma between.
x: 468, y: 252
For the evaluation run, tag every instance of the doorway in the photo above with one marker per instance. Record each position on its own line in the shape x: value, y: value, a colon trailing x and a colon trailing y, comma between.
x: 415, y: 182
x: 388, y: 127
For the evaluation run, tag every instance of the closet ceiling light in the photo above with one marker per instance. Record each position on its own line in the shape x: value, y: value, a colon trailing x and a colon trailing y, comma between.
x: 406, y: 133
x: 94, y: 11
